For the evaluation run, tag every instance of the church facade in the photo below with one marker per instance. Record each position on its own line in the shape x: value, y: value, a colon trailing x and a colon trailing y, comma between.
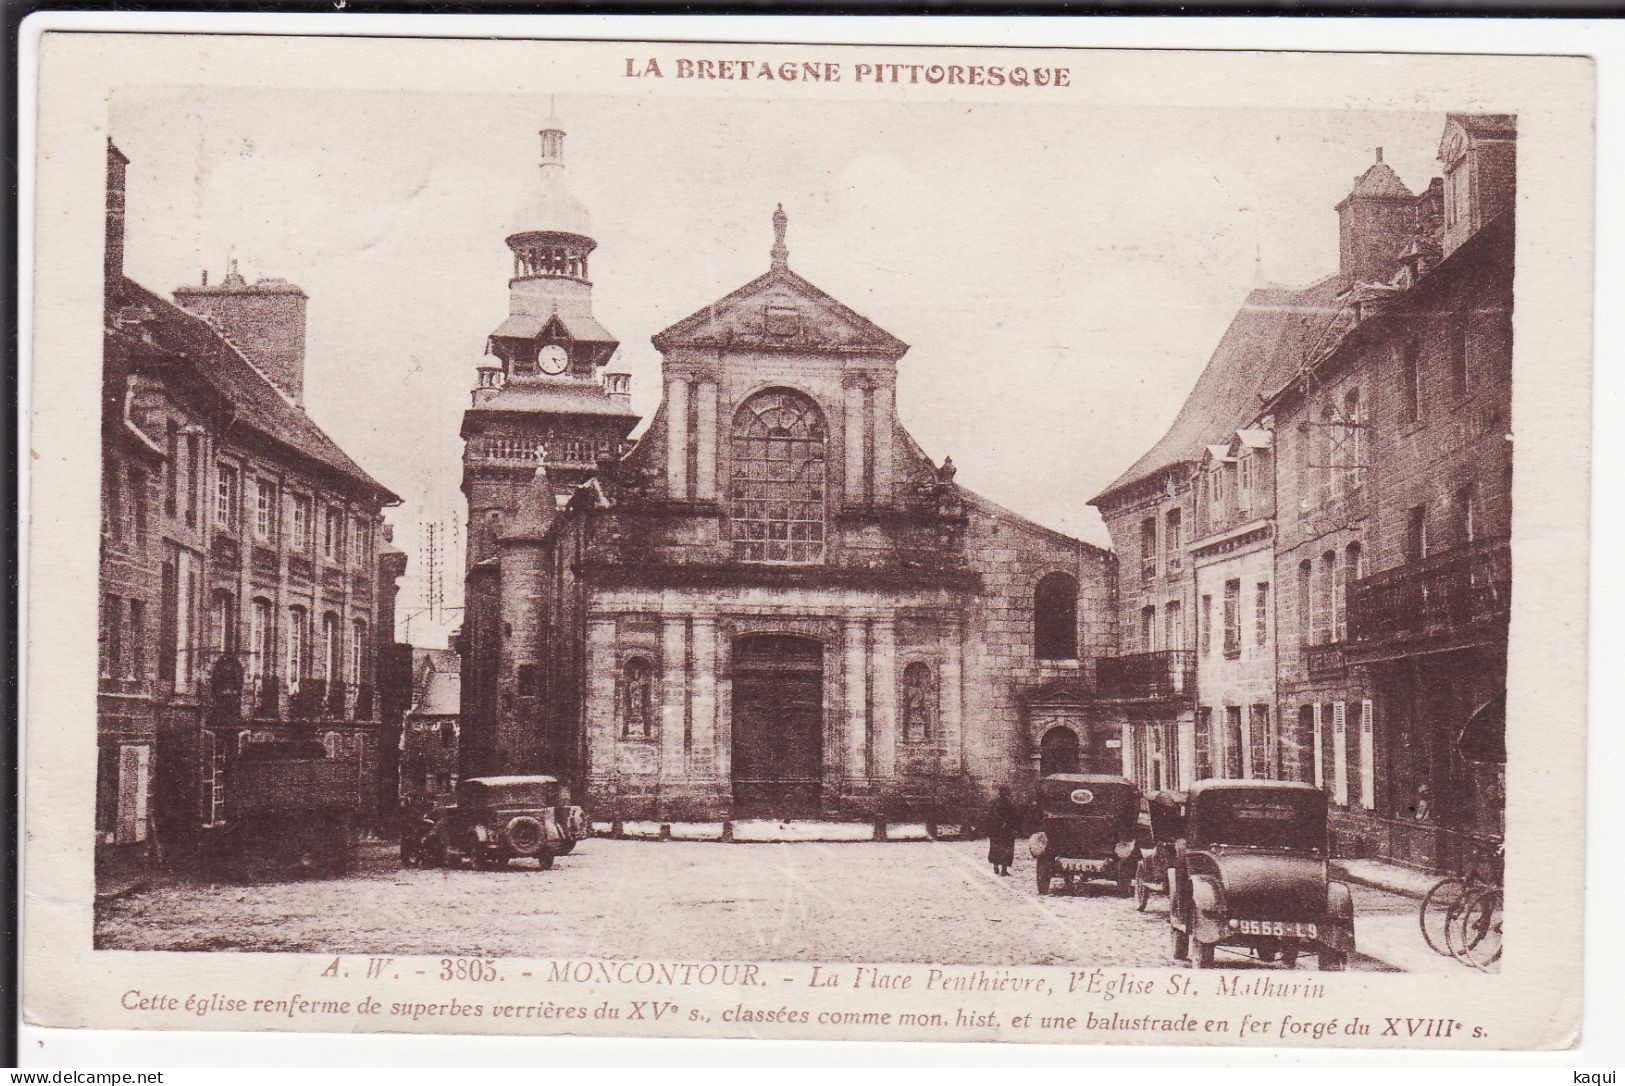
x: 774, y: 603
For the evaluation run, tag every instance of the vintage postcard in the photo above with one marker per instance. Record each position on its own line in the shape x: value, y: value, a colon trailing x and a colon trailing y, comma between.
x: 808, y: 542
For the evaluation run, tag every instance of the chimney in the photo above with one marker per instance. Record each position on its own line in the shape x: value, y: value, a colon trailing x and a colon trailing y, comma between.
x: 265, y: 319
x: 1376, y: 222
x: 619, y: 387
x: 113, y: 254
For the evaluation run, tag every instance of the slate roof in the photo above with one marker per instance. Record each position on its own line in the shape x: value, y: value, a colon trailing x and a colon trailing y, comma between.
x: 1275, y: 332
x: 1381, y: 180
x: 441, y: 696
x: 444, y: 660
x: 260, y: 405
x: 581, y: 327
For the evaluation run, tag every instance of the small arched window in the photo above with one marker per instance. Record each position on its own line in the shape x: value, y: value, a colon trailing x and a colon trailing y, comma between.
x: 637, y: 699
x: 1055, y: 617
x: 776, y: 491
x: 919, y: 702
x: 358, y: 650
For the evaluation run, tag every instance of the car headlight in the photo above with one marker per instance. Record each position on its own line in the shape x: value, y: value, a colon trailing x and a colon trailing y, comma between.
x: 482, y: 835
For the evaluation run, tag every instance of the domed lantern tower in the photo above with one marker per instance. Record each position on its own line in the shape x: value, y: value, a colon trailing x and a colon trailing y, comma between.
x: 541, y: 397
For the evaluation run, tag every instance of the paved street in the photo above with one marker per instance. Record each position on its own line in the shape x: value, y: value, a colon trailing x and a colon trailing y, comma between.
x: 874, y: 901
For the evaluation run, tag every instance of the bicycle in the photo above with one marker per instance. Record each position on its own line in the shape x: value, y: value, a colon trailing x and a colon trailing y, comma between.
x: 1474, y: 937
x: 1448, y: 898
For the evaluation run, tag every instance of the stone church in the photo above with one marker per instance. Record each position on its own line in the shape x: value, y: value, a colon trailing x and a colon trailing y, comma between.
x: 774, y: 602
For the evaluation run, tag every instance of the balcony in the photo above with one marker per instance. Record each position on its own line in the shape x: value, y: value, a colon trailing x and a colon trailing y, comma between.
x: 573, y: 453
x: 1147, y: 675
x: 306, y: 702
x: 262, y: 697
x: 266, y: 563
x: 1321, y: 660
x: 1444, y: 595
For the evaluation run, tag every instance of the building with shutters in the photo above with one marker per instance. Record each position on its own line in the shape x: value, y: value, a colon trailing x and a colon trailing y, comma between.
x: 772, y: 603
x: 242, y: 593
x: 1333, y: 499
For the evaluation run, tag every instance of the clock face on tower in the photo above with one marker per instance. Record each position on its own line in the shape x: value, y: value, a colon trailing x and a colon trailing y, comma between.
x: 553, y: 359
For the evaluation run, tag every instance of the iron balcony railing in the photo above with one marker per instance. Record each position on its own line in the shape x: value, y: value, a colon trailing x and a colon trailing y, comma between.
x: 1323, y: 659
x: 1142, y: 675
x: 1446, y: 593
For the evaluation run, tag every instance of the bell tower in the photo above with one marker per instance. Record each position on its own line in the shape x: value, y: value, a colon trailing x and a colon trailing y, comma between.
x: 541, y: 398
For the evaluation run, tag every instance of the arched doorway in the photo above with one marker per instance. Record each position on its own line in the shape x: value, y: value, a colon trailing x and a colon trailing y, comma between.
x: 778, y: 733
x: 1058, y: 752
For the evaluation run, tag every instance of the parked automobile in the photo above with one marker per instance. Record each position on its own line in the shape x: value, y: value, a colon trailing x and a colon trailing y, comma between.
x: 1089, y: 830
x: 496, y: 820
x: 1250, y: 871
x: 289, y: 809
x: 1154, y: 873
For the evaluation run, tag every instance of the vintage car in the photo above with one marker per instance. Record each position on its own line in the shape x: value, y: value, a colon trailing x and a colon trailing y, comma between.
x: 1154, y: 873
x: 1090, y: 830
x: 495, y: 820
x: 1250, y: 871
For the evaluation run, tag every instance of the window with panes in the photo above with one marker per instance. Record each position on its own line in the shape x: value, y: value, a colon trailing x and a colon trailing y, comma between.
x: 776, y: 492
x: 264, y: 508
x: 1232, y: 619
x: 226, y: 497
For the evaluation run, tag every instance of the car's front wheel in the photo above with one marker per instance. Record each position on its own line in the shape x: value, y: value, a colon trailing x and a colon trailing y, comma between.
x: 1142, y: 892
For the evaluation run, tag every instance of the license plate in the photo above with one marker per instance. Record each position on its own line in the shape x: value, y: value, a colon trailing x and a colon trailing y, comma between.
x: 1083, y: 867
x: 1282, y: 929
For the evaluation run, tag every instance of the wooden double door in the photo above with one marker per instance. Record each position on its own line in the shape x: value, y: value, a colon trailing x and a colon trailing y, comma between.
x: 778, y: 727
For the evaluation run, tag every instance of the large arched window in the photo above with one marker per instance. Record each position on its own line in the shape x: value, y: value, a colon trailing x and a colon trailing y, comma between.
x: 332, y: 649
x: 776, y: 497
x: 1055, y: 617
x: 298, y: 630
x: 358, y: 651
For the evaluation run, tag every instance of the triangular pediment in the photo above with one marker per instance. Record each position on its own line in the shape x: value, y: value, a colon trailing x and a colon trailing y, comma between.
x: 781, y: 311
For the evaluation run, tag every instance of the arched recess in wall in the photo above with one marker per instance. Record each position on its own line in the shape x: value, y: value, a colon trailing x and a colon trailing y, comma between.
x: 1058, y: 751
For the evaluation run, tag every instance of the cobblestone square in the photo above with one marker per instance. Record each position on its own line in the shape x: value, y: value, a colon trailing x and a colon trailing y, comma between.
x: 852, y: 901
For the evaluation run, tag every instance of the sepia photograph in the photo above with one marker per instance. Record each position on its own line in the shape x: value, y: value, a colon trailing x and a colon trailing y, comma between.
x: 916, y: 530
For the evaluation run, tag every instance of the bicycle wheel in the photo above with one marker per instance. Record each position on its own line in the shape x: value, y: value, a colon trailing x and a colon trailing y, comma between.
x: 1437, y: 909
x: 1479, y: 927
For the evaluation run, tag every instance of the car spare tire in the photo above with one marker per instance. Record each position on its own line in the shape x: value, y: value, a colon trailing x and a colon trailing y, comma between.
x: 526, y: 835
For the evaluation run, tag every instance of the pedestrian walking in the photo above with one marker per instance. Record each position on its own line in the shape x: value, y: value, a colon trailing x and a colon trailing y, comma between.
x: 1003, y: 824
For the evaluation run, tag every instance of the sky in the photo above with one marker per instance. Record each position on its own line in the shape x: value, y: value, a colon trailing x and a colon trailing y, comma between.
x: 1061, y: 273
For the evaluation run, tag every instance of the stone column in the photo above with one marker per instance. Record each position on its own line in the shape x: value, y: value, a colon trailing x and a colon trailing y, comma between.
x: 674, y: 695
x: 603, y: 718
x: 703, y: 705
x: 884, y: 692
x: 949, y: 698
x: 883, y: 444
x: 854, y: 445
x: 705, y: 441
x: 1129, y: 752
x: 677, y: 438
x: 857, y: 700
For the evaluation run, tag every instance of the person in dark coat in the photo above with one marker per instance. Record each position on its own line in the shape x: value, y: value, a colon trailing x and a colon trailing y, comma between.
x: 1003, y: 824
